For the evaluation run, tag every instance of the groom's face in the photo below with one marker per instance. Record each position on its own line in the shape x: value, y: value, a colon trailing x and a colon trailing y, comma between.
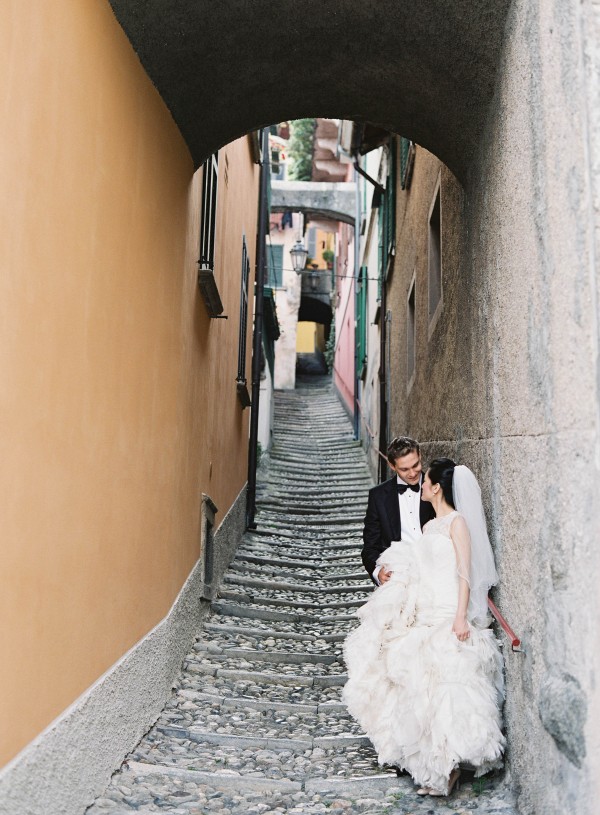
x: 408, y: 467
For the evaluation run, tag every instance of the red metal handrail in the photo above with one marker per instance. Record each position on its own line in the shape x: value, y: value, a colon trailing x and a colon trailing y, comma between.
x: 369, y: 430
x: 514, y: 640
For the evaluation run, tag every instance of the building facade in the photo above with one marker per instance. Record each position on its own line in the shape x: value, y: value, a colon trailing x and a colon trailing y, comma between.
x: 120, y: 403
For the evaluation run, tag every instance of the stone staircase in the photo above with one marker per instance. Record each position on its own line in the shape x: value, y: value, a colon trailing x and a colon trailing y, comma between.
x: 256, y: 723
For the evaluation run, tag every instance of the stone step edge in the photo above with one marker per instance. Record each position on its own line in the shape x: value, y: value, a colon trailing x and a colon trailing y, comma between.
x: 256, y: 564
x: 265, y: 633
x: 264, y: 655
x: 274, y: 678
x: 302, y: 588
x: 231, y: 780
x: 235, y: 702
x: 230, y: 609
x: 329, y: 573
x: 258, y: 600
x: 298, y: 745
x: 227, y: 780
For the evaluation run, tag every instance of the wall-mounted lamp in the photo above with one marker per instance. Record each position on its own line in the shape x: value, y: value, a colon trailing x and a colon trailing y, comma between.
x: 299, y: 254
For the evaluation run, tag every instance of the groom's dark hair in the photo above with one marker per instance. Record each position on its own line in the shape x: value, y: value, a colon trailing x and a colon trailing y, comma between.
x: 401, y: 446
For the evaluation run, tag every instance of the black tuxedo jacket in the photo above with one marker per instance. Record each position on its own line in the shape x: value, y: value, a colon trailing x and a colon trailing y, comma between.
x: 383, y: 523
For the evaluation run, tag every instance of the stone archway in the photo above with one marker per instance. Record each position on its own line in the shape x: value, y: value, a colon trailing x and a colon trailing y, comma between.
x: 425, y: 70
x: 506, y: 95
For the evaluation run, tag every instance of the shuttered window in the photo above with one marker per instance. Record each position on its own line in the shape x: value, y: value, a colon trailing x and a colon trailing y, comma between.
x: 387, y: 219
x: 361, y: 321
x: 208, y: 223
x: 241, y: 375
x: 407, y: 158
x: 275, y: 265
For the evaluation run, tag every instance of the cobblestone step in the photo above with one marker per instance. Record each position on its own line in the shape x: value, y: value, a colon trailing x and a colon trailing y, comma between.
x: 255, y: 723
x: 295, y: 586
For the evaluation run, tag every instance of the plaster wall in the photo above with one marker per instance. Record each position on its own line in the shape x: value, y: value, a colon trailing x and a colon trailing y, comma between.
x: 507, y: 382
x: 70, y: 763
x: 287, y: 300
x: 266, y: 409
x: 343, y: 362
x: 369, y: 257
x: 118, y: 397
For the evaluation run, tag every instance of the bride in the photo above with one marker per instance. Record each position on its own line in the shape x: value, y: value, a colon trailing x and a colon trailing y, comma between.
x: 425, y: 672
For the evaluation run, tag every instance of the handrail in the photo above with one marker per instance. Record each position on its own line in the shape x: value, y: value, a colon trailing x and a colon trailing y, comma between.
x: 369, y: 430
x: 514, y: 640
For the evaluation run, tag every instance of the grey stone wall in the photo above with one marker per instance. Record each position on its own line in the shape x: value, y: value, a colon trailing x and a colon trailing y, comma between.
x: 508, y: 381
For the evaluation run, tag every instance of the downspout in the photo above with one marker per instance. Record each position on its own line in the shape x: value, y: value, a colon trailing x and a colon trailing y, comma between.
x: 383, y: 442
x: 261, y: 233
x: 383, y: 419
x: 357, y: 362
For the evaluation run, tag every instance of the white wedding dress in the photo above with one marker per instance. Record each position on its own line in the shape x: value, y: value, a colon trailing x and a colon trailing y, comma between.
x: 427, y: 701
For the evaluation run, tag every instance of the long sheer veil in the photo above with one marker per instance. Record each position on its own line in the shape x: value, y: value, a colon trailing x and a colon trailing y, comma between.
x: 482, y: 571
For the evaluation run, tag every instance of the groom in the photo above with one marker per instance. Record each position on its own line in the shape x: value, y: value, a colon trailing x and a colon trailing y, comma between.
x: 395, y: 510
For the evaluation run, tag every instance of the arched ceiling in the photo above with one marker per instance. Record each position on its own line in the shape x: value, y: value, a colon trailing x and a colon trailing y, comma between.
x: 421, y: 68
x: 315, y: 309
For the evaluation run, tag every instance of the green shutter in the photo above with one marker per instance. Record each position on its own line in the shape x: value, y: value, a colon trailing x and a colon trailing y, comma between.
x: 361, y: 321
x: 275, y: 265
x: 390, y: 200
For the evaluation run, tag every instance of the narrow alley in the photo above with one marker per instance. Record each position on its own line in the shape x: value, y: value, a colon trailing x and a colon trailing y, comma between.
x: 256, y: 723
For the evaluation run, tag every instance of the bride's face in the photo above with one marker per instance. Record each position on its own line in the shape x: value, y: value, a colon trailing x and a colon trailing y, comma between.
x: 428, y: 490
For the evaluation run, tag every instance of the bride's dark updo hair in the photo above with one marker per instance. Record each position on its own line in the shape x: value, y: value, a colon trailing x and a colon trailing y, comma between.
x: 441, y: 471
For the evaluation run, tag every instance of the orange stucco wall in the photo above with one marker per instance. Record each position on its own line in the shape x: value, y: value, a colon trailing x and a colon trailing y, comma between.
x: 117, y: 397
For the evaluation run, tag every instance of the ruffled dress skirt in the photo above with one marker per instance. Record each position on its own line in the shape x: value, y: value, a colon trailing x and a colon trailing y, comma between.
x: 427, y: 701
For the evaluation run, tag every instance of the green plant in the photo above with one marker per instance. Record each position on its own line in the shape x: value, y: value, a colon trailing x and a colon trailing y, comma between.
x: 328, y: 255
x: 330, y: 349
x: 301, y: 149
x: 479, y: 786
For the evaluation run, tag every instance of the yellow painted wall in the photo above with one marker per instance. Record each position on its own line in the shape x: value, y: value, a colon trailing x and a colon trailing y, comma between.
x: 117, y: 398
x: 305, y: 337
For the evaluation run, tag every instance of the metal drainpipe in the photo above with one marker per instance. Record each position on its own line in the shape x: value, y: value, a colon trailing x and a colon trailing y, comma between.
x: 356, y: 277
x: 258, y: 330
x: 383, y: 441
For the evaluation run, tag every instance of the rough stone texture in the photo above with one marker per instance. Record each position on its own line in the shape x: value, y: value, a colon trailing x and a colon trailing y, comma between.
x: 563, y: 711
x: 72, y: 760
x: 422, y: 69
x: 334, y: 201
x: 508, y: 380
x: 255, y: 723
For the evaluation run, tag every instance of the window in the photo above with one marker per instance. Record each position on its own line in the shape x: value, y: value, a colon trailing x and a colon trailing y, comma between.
x: 275, y: 265
x: 387, y: 220
x: 407, y: 160
x: 411, y: 334
x: 361, y: 322
x: 312, y: 243
x: 208, y: 223
x: 435, y: 259
x: 241, y: 375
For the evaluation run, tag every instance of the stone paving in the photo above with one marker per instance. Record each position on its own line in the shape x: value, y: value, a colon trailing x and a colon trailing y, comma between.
x: 256, y: 723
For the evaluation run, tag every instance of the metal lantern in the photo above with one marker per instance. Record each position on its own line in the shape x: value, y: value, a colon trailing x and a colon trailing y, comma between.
x: 299, y: 254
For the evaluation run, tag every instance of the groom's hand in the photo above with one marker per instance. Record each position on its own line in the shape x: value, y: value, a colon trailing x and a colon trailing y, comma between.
x: 383, y: 575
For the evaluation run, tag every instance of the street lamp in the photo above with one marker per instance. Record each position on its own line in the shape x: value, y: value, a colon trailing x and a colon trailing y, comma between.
x: 299, y: 255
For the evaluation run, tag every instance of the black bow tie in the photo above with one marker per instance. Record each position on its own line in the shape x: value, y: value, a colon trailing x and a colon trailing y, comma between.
x: 403, y: 487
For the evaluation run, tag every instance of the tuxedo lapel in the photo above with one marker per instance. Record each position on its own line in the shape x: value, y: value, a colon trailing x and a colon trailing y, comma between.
x: 393, y: 509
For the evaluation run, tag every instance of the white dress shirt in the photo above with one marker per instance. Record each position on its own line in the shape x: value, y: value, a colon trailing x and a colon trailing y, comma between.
x: 410, y: 508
